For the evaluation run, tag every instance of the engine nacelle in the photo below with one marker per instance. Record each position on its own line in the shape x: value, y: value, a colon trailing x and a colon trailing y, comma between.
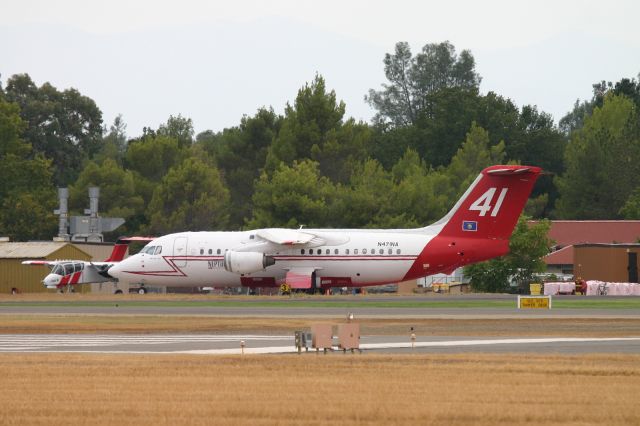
x: 246, y: 262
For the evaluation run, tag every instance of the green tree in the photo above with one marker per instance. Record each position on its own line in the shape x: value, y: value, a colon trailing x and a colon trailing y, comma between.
x: 292, y: 196
x: 191, y: 197
x: 413, y: 79
x: 631, y: 208
x: 364, y: 203
x: 152, y: 157
x: 240, y: 153
x: 601, y: 162
x: 64, y: 126
x: 27, y: 196
x: 528, y: 244
x: 474, y: 155
x: 313, y: 128
x: 575, y: 118
x: 114, y: 144
x: 178, y: 128
x: 118, y: 197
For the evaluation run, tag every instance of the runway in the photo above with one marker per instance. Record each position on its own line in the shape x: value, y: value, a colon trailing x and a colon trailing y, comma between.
x: 230, y: 344
x: 319, y: 312
x: 623, y: 339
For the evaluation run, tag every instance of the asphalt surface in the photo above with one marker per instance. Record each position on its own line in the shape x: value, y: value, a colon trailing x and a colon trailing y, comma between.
x: 261, y: 343
x: 319, y: 312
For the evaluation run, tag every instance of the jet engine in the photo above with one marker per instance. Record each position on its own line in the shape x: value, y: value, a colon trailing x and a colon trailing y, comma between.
x: 246, y: 262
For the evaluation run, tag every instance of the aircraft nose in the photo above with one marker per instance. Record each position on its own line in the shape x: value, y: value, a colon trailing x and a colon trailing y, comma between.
x: 116, y: 270
x: 51, y: 280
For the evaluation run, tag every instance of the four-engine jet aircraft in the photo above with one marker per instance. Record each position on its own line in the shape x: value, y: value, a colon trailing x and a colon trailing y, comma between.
x: 477, y: 228
x: 66, y: 273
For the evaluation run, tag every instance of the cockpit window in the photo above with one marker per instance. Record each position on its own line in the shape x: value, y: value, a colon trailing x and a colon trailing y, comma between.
x: 68, y: 268
x: 77, y: 267
x: 158, y: 250
x: 58, y: 270
x: 149, y: 250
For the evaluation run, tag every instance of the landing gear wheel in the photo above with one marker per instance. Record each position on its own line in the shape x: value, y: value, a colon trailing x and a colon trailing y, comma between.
x: 117, y: 291
x: 142, y: 290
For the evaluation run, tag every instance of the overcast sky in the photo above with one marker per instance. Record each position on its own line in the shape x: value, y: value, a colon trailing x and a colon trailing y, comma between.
x: 217, y: 61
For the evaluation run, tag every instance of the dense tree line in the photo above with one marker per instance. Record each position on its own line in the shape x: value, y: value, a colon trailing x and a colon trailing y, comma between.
x: 432, y: 133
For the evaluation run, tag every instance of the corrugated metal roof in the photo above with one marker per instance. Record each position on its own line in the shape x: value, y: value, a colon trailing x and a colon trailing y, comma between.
x: 33, y: 250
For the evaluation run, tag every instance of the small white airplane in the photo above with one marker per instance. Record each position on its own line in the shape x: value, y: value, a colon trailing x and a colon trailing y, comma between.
x: 477, y: 228
x: 71, y: 272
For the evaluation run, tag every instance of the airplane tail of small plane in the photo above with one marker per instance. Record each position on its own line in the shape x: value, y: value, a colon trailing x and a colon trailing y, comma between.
x: 480, y: 224
x: 120, y: 248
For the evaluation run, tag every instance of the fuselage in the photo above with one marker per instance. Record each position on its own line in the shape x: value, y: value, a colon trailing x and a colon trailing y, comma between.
x: 354, y: 258
x: 477, y: 228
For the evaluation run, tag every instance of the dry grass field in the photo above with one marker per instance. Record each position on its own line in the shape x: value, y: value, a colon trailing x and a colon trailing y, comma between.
x: 367, y: 389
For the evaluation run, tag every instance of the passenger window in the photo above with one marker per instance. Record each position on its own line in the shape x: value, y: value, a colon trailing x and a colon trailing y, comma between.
x: 302, y: 251
x: 77, y: 267
x: 158, y: 250
x: 373, y: 251
x: 310, y: 251
x: 336, y: 251
x: 210, y: 251
x: 398, y: 251
x: 346, y: 251
x: 381, y: 251
x: 68, y: 268
x: 327, y: 252
x: 390, y: 251
x: 218, y: 251
x: 251, y: 237
x: 364, y: 251
x: 355, y: 251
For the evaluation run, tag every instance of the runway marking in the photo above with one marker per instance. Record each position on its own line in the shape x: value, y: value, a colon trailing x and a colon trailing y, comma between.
x: 403, y: 345
x: 84, y: 343
x: 31, y: 342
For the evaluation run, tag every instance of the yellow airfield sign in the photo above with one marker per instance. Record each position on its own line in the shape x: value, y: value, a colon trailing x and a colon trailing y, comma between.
x: 534, y: 302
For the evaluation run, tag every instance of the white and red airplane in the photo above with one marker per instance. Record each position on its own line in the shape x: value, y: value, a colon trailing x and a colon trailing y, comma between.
x: 477, y: 228
x: 68, y: 273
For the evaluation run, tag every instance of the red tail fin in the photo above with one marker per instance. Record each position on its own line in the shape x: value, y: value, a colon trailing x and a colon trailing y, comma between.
x: 491, y: 206
x: 120, y: 248
x: 479, y: 226
x: 118, y: 252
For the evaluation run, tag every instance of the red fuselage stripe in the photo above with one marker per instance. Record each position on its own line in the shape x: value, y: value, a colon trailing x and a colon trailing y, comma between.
x: 177, y: 272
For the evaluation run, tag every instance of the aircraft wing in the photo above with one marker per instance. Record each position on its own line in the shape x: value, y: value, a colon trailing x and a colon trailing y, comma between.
x: 40, y: 262
x: 274, y: 239
x: 285, y: 237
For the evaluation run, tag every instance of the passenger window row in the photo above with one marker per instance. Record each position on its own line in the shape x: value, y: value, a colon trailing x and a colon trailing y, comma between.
x: 210, y: 251
x: 310, y: 251
x: 346, y: 251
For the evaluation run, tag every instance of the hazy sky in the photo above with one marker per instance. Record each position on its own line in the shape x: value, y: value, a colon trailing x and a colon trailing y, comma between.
x: 216, y: 61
